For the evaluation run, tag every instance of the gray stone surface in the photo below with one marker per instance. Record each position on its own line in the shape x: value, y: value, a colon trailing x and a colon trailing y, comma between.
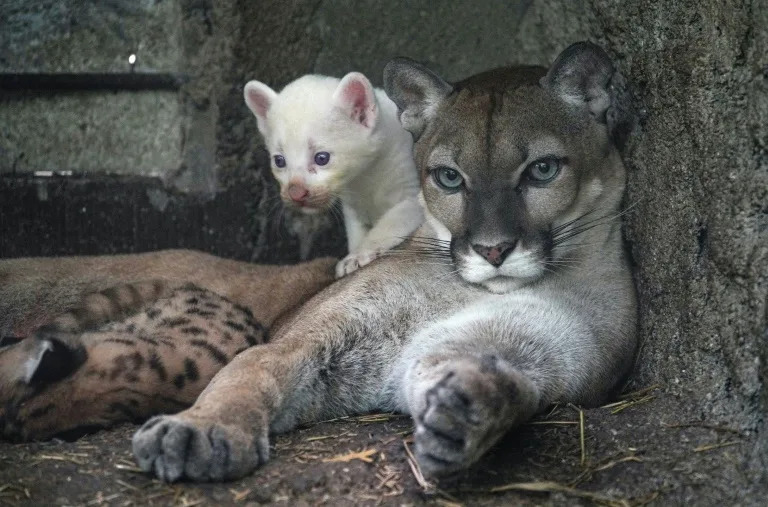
x: 137, y: 133
x: 698, y: 182
x: 133, y: 133
x: 453, y: 37
x: 89, y: 35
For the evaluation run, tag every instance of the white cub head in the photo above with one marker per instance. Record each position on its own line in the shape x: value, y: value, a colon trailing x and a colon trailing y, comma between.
x: 320, y: 132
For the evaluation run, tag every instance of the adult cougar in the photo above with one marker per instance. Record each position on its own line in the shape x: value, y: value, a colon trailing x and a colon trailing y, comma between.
x: 514, y: 295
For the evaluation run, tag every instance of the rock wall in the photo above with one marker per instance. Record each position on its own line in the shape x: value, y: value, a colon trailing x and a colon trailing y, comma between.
x: 698, y: 161
x: 698, y: 189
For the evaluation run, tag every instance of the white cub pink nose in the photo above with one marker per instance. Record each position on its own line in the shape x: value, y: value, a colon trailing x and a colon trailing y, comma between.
x: 297, y: 192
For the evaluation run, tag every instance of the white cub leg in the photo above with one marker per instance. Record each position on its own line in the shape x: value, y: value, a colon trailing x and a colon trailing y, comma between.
x: 390, y: 230
x: 356, y: 232
x: 354, y: 228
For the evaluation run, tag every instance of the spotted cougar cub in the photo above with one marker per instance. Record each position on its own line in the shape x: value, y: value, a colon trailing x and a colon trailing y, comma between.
x: 339, y: 139
x: 530, y: 303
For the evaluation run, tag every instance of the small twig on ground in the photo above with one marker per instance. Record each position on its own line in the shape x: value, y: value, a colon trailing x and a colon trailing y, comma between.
x: 239, y: 496
x: 103, y: 499
x: 126, y: 485
x: 361, y: 455
x: 129, y: 468
x: 616, y: 462
x: 13, y: 487
x: 426, y: 486
x: 625, y: 404
x: 446, y: 503
x: 604, y: 464
x: 389, y: 478
x: 326, y: 437
x: 632, y: 398
x: 581, y: 438
x: 554, y: 409
x: 709, y: 447
x: 44, y: 457
x: 640, y: 392
x: 374, y: 418
x: 555, y: 487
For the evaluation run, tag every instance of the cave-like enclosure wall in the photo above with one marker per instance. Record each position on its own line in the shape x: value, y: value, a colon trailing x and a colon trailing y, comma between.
x: 187, y: 169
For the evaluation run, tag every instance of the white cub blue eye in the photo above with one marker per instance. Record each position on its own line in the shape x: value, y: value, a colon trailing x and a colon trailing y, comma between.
x: 447, y: 178
x: 279, y: 160
x: 322, y: 157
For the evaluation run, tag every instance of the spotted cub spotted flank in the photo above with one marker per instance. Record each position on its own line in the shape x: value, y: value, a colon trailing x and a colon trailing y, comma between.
x: 155, y: 361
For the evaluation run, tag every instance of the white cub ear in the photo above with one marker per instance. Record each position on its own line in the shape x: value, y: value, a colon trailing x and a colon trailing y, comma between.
x: 259, y: 98
x: 355, y: 97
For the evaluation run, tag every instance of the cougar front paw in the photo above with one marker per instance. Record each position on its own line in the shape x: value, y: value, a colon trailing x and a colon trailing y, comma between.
x: 356, y: 260
x: 175, y: 447
x: 464, y: 413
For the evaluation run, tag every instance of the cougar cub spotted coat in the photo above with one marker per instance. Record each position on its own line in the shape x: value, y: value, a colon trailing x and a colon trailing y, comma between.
x: 125, y: 349
x: 515, y: 294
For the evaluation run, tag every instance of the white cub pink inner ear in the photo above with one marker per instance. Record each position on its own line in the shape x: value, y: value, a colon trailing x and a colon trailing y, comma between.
x: 355, y: 97
x: 259, y: 98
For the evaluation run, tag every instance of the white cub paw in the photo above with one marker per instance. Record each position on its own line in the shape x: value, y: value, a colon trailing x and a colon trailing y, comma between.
x: 355, y: 260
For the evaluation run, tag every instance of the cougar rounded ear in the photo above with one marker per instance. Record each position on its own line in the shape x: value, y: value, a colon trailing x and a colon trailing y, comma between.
x: 584, y: 75
x: 580, y: 76
x: 57, y: 355
x: 416, y: 90
x: 40, y: 359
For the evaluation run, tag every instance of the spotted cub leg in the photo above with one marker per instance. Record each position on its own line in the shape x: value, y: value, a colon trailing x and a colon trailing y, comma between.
x: 155, y: 361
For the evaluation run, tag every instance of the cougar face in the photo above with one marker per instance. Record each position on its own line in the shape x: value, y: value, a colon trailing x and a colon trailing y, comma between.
x: 508, y: 159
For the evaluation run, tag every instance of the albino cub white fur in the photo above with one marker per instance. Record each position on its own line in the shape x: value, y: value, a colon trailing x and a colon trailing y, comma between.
x: 340, y: 139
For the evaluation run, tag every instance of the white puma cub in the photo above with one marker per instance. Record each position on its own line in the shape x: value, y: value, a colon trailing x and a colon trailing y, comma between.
x: 340, y: 139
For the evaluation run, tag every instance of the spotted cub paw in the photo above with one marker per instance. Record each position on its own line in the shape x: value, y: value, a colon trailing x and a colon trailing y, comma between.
x: 182, y: 447
x: 356, y: 260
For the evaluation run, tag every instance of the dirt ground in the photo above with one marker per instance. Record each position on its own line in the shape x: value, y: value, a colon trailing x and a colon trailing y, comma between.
x: 644, y: 449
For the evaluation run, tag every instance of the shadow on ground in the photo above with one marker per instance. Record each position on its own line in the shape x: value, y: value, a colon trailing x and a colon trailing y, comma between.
x: 645, y: 449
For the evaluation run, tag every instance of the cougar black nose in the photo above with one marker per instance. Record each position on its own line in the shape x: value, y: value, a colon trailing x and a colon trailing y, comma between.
x: 495, y: 255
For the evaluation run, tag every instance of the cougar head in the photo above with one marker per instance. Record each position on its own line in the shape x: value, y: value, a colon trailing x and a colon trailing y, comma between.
x: 513, y: 160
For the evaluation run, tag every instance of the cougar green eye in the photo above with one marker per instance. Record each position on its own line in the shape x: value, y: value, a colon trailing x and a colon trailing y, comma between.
x: 543, y: 170
x: 447, y: 178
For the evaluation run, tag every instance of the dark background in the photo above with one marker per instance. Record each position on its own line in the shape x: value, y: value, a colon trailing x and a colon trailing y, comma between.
x: 181, y: 164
